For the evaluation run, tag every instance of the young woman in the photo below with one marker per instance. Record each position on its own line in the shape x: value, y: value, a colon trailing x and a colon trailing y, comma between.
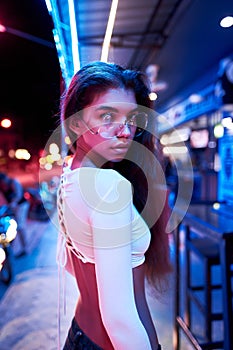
x: 110, y: 213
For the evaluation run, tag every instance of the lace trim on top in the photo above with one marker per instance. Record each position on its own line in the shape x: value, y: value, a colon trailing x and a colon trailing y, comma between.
x: 65, y: 241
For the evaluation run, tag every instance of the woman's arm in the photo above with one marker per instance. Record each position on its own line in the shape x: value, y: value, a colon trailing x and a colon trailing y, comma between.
x: 112, y: 247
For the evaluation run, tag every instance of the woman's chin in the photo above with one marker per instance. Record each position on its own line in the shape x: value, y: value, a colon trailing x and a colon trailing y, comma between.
x: 116, y: 159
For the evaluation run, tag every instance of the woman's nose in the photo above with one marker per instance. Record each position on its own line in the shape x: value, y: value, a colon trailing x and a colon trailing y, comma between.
x: 123, y: 130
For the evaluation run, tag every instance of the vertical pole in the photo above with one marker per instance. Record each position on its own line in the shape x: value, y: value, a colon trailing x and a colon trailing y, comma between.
x: 176, y: 335
x: 226, y: 249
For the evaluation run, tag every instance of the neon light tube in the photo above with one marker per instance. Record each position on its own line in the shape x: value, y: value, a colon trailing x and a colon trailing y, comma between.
x: 109, y: 30
x: 49, y: 5
x: 74, y: 36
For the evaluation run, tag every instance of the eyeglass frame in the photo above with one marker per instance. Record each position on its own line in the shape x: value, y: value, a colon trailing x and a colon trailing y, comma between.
x: 121, y: 125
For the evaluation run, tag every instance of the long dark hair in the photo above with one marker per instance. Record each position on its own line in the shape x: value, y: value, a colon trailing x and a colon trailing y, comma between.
x: 140, y: 168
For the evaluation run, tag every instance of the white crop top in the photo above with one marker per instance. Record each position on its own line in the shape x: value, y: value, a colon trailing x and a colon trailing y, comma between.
x: 100, y: 224
x: 96, y: 211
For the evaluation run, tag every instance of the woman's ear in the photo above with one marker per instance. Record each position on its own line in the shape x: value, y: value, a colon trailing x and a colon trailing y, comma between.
x: 74, y: 125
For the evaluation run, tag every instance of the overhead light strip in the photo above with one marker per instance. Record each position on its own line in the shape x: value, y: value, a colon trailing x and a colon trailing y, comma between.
x: 64, y: 61
x: 109, y: 30
x: 74, y: 36
x: 49, y: 5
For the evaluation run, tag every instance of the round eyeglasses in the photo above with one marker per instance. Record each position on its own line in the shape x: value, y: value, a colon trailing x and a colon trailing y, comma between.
x: 109, y: 128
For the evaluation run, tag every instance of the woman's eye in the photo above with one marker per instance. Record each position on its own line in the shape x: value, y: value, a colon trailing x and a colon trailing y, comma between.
x: 132, y: 120
x: 107, y: 118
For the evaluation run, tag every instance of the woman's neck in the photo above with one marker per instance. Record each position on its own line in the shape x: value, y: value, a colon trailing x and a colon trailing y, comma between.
x: 86, y: 157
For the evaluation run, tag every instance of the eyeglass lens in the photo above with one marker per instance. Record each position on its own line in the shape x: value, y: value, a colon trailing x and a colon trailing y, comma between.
x: 137, y: 124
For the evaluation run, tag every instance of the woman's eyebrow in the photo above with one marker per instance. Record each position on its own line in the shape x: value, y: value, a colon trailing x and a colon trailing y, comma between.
x: 106, y: 108
x: 113, y: 109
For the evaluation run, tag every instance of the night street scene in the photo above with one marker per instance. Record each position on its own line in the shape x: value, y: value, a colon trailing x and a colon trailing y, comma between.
x: 185, y: 53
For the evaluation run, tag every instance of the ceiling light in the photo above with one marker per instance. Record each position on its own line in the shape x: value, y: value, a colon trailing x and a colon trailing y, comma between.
x: 226, y: 22
x: 74, y: 36
x: 227, y: 122
x: 109, y: 30
x: 195, y: 98
x: 153, y: 96
x: 49, y: 5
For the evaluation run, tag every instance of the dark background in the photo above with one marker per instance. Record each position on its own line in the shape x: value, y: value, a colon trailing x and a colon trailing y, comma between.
x: 29, y: 71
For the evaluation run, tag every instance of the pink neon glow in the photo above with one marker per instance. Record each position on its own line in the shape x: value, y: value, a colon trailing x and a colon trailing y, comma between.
x: 2, y: 28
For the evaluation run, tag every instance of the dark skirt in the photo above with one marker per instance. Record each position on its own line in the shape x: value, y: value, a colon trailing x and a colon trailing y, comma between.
x: 77, y: 339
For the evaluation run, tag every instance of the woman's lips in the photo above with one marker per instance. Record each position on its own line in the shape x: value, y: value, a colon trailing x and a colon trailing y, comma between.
x: 121, y: 148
